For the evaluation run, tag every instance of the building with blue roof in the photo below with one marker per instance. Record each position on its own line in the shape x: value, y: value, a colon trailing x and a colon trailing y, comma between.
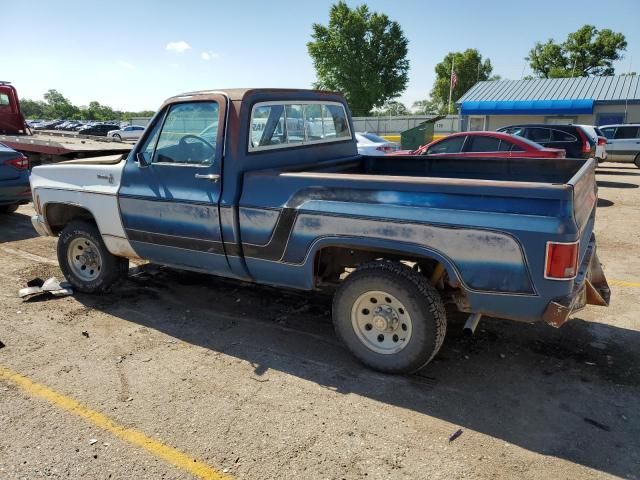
x: 493, y: 104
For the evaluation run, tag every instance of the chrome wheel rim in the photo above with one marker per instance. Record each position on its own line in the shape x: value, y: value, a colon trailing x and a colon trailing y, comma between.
x: 381, y: 322
x: 84, y: 258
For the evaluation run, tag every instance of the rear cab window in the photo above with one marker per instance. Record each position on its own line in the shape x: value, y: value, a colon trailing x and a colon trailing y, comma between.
x: 290, y: 123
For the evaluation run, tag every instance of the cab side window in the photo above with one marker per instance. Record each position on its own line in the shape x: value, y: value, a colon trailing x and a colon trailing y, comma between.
x: 188, y: 134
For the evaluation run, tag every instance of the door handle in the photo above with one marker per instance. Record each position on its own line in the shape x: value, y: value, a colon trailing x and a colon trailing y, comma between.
x: 212, y: 177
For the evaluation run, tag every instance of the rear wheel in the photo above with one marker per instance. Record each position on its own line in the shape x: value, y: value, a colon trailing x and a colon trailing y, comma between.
x: 389, y: 317
x: 85, y: 260
x: 9, y: 208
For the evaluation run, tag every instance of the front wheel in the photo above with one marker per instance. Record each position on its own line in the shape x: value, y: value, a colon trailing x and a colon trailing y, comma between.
x: 389, y: 317
x: 85, y: 261
x: 117, y: 137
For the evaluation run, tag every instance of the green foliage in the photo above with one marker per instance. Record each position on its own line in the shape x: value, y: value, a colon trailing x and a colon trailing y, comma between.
x: 392, y: 108
x: 361, y: 54
x: 57, y: 106
x: 586, y: 52
x: 469, y: 67
x: 426, y: 107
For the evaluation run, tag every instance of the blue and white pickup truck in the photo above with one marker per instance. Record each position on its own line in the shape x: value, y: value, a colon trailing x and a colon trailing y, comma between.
x: 267, y: 186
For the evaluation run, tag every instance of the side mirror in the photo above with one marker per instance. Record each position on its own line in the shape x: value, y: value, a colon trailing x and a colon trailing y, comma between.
x: 142, y: 162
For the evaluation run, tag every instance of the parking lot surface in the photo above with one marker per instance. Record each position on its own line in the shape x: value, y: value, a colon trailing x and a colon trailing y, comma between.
x: 177, y: 375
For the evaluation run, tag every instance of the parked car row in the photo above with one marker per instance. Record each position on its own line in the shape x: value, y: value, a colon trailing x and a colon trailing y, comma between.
x: 117, y: 130
x: 613, y: 143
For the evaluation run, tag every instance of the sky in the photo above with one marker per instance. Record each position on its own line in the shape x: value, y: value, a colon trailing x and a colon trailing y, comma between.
x: 133, y: 54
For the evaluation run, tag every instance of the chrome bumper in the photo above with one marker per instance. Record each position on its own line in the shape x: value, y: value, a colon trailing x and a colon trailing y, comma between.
x: 589, y: 288
x: 41, y: 226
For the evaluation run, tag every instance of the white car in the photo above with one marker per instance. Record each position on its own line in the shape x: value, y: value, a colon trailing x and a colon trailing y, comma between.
x: 623, y: 142
x: 130, y: 132
x: 370, y: 144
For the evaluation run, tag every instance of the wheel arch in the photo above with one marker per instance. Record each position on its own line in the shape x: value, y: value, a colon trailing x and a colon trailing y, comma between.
x: 58, y: 214
x: 373, y: 249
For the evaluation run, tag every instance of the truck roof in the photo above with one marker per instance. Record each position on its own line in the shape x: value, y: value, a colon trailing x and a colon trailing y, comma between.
x: 235, y: 94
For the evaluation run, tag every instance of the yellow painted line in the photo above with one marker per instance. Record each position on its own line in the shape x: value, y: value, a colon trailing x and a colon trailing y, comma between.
x: 169, y: 454
x: 624, y: 283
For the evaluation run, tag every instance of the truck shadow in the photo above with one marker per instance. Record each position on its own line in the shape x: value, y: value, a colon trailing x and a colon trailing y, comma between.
x: 15, y: 227
x: 606, y: 184
x: 569, y: 393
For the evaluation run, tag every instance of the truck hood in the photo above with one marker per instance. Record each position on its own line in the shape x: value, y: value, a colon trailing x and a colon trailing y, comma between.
x: 103, y: 160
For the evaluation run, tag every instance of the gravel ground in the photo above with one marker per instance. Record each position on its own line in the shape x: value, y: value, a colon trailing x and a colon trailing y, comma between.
x: 253, y: 382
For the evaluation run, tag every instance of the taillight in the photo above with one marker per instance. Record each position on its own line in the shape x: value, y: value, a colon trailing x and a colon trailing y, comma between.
x: 19, y: 163
x: 586, y: 145
x: 561, y: 261
x: 602, y: 141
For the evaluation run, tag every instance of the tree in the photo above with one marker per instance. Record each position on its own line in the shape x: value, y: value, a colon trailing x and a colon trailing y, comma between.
x: 32, y: 108
x: 469, y: 68
x: 361, y: 54
x: 426, y: 107
x: 586, y: 52
x: 392, y: 108
x: 57, y: 106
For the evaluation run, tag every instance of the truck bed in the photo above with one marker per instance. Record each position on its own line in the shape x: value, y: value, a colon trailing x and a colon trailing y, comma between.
x: 549, y: 171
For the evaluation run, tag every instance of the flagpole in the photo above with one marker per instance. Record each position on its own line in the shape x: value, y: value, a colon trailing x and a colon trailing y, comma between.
x: 450, y: 85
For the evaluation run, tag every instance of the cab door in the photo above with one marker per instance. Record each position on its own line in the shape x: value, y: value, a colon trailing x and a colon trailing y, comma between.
x: 171, y: 186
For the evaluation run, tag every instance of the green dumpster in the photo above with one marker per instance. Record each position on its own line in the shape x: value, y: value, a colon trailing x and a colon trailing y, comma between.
x: 419, y: 135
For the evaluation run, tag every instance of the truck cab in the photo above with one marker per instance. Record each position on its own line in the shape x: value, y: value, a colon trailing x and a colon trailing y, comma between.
x: 11, y: 118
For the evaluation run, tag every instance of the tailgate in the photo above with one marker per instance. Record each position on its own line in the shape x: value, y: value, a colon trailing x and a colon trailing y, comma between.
x: 585, y: 193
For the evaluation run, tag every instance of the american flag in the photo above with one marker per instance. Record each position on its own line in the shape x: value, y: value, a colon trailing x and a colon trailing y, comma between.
x: 454, y: 79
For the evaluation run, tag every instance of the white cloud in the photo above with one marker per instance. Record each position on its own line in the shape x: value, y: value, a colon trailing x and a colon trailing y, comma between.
x: 177, y: 47
x: 127, y: 65
x: 174, y: 65
x: 208, y: 55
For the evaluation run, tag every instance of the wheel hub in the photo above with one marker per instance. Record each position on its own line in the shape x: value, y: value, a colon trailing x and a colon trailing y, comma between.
x: 84, y: 258
x: 381, y: 322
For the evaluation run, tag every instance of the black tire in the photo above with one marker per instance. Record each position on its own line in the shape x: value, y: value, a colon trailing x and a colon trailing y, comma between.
x: 112, y: 268
x: 421, y: 301
x: 637, y: 160
x: 9, y: 208
x: 117, y: 137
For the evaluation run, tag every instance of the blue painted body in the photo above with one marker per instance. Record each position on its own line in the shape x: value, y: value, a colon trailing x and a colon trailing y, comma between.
x: 488, y: 222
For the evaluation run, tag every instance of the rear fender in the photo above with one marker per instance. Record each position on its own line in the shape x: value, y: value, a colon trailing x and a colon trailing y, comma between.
x: 383, y: 247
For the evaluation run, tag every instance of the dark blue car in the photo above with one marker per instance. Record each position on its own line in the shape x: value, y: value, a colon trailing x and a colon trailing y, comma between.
x: 14, y: 179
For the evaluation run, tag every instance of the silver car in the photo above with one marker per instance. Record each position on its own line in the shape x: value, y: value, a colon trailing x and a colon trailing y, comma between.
x: 130, y: 132
x: 623, y: 142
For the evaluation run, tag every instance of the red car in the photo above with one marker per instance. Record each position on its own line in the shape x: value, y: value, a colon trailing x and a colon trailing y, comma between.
x: 485, y: 144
